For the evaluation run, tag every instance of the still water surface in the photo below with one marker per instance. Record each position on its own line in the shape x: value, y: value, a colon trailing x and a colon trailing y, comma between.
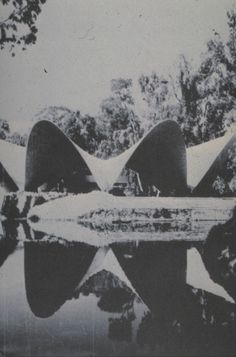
x: 139, y: 298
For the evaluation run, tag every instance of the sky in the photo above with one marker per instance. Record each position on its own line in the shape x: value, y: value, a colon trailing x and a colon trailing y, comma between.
x: 83, y: 44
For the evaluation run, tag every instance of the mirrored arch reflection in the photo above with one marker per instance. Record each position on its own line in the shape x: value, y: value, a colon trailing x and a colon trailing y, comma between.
x: 52, y: 272
x: 158, y: 295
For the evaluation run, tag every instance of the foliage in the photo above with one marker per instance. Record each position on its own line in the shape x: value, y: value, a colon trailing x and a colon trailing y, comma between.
x: 202, y: 99
x: 17, y: 139
x: 225, y: 184
x: 19, y: 28
x: 110, y: 133
x: 219, y: 253
x: 5, y: 134
x: 80, y: 129
x: 118, y: 120
x: 187, y: 96
x: 117, y: 110
x: 157, y: 94
x: 114, y: 130
x: 220, y: 186
x: 207, y: 95
x: 4, y: 129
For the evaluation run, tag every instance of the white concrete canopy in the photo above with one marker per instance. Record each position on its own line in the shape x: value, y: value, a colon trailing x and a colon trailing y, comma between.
x: 12, y: 158
x: 200, y: 158
x: 159, y: 158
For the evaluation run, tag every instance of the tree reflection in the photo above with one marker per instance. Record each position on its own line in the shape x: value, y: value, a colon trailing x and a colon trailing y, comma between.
x: 116, y: 300
x: 114, y: 297
x: 219, y: 255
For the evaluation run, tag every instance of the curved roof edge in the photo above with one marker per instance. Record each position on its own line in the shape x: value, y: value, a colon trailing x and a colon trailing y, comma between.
x: 105, y: 172
x: 13, y: 160
x: 217, y: 166
x: 50, y: 153
x: 201, y: 157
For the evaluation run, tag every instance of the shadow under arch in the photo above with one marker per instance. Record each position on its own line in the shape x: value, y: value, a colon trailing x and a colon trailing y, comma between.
x: 50, y: 157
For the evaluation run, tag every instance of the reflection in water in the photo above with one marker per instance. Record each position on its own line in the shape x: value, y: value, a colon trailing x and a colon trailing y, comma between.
x: 8, y: 241
x: 145, y: 294
x: 219, y: 255
x: 52, y: 272
x: 200, y: 277
x: 155, y: 270
x: 114, y: 297
x: 182, y: 318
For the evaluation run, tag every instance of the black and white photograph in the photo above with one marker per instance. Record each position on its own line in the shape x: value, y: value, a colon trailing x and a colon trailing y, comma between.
x: 117, y: 178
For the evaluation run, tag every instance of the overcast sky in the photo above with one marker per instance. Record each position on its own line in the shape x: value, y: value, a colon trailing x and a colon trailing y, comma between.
x: 83, y: 44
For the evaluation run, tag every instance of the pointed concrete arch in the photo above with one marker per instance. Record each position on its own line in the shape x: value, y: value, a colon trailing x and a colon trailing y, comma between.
x: 159, y: 158
x: 51, y: 156
x: 211, y: 159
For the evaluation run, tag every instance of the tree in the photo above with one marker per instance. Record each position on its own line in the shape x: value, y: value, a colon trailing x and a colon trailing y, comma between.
x: 202, y: 99
x: 118, y: 121
x: 215, y: 89
x: 80, y: 129
x: 117, y: 109
x: 187, y: 96
x: 19, y: 28
x: 157, y: 94
x: 4, y: 129
x: 231, y: 44
x: 17, y: 139
x: 207, y: 94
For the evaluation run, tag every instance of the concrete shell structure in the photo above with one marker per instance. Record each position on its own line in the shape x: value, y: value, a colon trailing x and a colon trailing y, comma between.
x: 50, y: 157
x: 12, y: 166
x: 159, y: 159
x: 210, y: 159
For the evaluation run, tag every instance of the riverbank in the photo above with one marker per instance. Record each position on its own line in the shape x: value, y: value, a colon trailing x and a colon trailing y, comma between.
x: 103, y: 207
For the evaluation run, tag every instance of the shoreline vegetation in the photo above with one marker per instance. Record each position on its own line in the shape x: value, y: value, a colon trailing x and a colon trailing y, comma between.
x: 98, y: 206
